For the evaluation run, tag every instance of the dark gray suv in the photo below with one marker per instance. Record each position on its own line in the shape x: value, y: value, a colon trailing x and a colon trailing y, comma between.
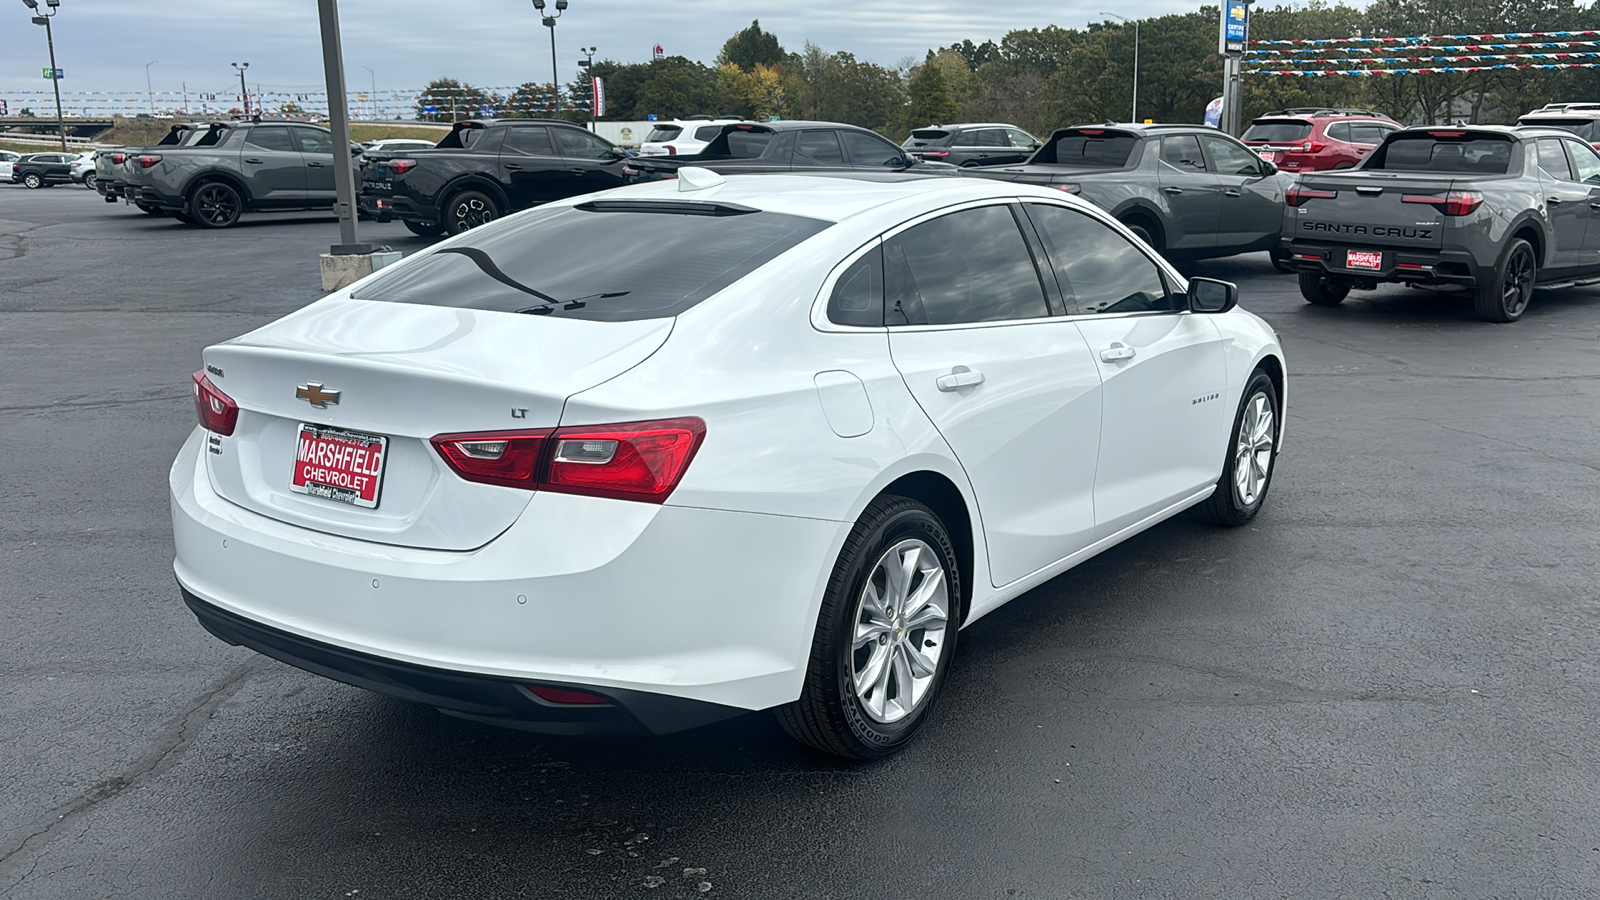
x: 972, y: 144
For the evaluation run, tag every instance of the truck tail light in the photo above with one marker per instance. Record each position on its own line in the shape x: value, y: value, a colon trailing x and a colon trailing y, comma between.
x: 400, y: 166
x: 147, y: 160
x: 1068, y: 188
x: 641, y: 461
x: 217, y: 411
x: 936, y: 154
x: 671, y: 150
x: 1454, y: 203
x: 117, y: 158
x: 1299, y: 196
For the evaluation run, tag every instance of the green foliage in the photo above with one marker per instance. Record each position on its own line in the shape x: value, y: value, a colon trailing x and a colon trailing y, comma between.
x: 750, y: 48
x: 931, y: 102
x: 451, y: 100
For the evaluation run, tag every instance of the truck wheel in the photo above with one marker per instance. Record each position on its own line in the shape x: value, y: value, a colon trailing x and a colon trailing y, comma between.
x: 215, y: 204
x: 885, y: 635
x: 469, y: 209
x: 33, y: 181
x: 1505, y: 298
x: 1322, y: 290
x: 424, y: 229
x: 1146, y: 232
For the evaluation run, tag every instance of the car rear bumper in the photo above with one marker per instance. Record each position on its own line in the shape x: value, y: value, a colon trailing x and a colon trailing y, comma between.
x: 606, y: 596
x: 391, y: 207
x: 1400, y: 264
x: 149, y: 196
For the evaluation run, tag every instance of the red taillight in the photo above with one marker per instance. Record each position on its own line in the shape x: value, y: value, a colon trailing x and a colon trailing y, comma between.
x: 671, y: 150
x: 117, y: 158
x: 566, y: 696
x: 1068, y: 188
x: 147, y: 161
x: 1299, y: 196
x: 935, y: 154
x: 1454, y: 203
x: 1311, y: 147
x: 1447, y: 134
x: 506, y: 458
x: 1091, y: 131
x: 400, y: 166
x: 217, y: 411
x: 632, y: 461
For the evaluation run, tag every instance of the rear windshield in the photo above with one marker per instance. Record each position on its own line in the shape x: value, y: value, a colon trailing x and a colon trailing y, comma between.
x: 600, y: 262
x: 1584, y: 128
x: 1427, y: 152
x: 929, y: 134
x: 663, y: 133
x: 1279, y: 131
x: 1088, y: 149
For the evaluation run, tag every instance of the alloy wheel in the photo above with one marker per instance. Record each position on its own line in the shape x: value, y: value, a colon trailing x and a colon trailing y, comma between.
x: 1517, y: 288
x: 32, y: 180
x: 900, y: 621
x: 1252, y: 462
x: 216, y: 205
x: 472, y: 212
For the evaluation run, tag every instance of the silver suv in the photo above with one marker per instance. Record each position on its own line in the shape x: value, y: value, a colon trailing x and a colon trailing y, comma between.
x: 1582, y: 119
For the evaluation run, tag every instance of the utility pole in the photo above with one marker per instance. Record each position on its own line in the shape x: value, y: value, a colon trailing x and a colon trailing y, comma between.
x: 244, y: 92
x: 1135, y: 114
x: 50, y: 39
x: 588, y: 66
x: 372, y: 98
x: 149, y: 95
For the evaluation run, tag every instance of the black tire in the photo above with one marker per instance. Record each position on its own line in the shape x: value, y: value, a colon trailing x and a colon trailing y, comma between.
x: 1280, y: 261
x: 88, y: 181
x: 1231, y: 504
x: 468, y: 210
x: 424, y: 229
x: 831, y: 715
x: 1146, y: 232
x: 32, y: 181
x: 1320, y: 289
x: 1506, y: 298
x: 215, y: 204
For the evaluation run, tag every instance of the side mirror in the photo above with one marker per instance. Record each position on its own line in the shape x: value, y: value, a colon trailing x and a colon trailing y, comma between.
x: 1038, y: 144
x: 1270, y: 167
x: 1211, y: 295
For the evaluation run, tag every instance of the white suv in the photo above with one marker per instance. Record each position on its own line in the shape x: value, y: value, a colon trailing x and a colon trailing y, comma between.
x: 682, y: 137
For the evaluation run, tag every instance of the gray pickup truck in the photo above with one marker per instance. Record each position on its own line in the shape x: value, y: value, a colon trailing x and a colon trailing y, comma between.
x: 237, y: 167
x: 1490, y: 209
x: 1186, y: 190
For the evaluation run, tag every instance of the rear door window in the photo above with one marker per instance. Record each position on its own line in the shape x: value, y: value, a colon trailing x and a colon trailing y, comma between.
x: 1340, y: 131
x: 1368, y: 134
x: 312, y: 140
x: 609, y: 261
x: 818, y: 148
x: 992, y: 137
x: 964, y: 267
x: 528, y: 141
x: 1182, y: 152
x: 965, y: 139
x: 273, y: 138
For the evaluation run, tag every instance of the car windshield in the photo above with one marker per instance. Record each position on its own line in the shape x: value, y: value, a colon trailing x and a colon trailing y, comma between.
x: 1279, y: 131
x: 1584, y: 128
x: 1088, y: 148
x: 609, y: 261
x: 1457, y: 151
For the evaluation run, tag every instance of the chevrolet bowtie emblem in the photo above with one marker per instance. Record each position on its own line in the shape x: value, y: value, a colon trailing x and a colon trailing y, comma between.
x: 313, y: 393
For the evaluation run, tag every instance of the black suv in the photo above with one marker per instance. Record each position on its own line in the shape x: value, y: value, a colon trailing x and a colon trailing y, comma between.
x: 972, y: 144
x: 484, y: 169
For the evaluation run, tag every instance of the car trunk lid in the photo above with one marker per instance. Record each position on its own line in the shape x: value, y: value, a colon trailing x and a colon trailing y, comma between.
x: 389, y: 379
x: 1372, y: 208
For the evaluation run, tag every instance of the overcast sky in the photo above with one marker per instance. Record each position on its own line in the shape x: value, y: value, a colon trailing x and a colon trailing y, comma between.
x: 103, y: 45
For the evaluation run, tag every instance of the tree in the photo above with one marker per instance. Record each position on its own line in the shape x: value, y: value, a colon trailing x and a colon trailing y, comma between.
x: 675, y: 87
x: 448, y: 100
x: 531, y: 100
x: 752, y: 47
x: 931, y: 103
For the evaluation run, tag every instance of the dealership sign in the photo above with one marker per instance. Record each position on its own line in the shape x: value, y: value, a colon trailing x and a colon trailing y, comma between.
x: 1235, y: 26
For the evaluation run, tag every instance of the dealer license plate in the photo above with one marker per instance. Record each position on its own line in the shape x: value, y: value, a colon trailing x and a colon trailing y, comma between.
x: 1268, y: 155
x: 334, y: 464
x: 1363, y: 259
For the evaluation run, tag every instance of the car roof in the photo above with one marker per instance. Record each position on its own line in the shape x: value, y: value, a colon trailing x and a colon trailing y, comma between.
x: 832, y: 197
x: 961, y: 125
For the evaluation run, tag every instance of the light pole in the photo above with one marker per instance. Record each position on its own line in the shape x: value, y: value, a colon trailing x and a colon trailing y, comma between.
x: 244, y: 92
x: 550, y: 23
x: 49, y: 38
x: 373, y: 97
x: 1135, y: 22
x: 150, y: 95
x: 588, y: 66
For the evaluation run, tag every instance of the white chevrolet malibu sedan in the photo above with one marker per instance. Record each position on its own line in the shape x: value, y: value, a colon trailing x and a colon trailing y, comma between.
x: 649, y: 458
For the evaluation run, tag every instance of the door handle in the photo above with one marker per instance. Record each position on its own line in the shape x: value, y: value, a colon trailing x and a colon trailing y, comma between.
x: 1172, y: 190
x: 513, y: 166
x: 1594, y: 206
x: 1230, y: 192
x: 251, y: 159
x: 317, y: 165
x: 1116, y: 352
x: 1553, y: 201
x: 959, y: 377
x: 578, y: 171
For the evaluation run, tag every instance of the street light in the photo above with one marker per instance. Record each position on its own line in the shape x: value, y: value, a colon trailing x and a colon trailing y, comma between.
x: 550, y: 23
x: 150, y: 95
x: 50, y: 40
x: 587, y: 64
x: 244, y: 92
x: 1135, y: 22
x: 373, y: 97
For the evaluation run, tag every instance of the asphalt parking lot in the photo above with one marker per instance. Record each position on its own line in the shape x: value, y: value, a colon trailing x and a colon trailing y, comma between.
x: 1384, y: 687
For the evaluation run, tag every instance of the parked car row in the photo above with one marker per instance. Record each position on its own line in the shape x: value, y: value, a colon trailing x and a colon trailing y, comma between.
x: 42, y: 170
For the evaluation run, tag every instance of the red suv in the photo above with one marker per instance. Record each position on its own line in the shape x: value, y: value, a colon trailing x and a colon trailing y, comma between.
x: 1310, y: 140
